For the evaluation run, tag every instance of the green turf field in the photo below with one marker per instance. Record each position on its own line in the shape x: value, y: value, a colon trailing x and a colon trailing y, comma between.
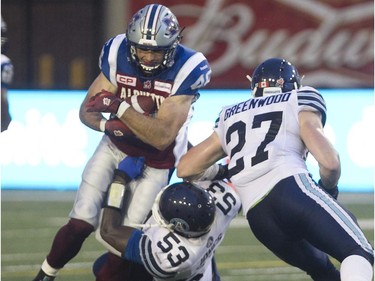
x: 29, y: 221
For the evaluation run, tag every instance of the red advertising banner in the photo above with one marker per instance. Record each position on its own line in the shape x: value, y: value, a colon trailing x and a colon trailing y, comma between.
x: 330, y: 42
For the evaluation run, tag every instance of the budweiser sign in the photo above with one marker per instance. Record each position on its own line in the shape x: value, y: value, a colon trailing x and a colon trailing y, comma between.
x: 330, y: 42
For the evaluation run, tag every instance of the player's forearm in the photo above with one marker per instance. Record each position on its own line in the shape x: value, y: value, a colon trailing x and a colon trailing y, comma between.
x: 329, y: 162
x: 113, y: 232
x: 151, y: 130
x: 198, y: 159
x: 192, y: 169
x: 330, y: 176
x: 161, y: 130
x: 92, y: 119
x: 110, y: 220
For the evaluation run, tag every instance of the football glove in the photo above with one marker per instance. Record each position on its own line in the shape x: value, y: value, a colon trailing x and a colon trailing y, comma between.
x: 104, y: 101
x: 334, y: 192
x: 222, y: 173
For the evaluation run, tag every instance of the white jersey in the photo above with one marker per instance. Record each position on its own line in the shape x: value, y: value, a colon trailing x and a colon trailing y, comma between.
x: 261, y: 138
x: 169, y: 256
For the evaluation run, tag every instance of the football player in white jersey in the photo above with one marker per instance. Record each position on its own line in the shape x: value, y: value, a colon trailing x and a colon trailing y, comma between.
x: 6, y: 79
x: 148, y: 60
x: 188, y: 222
x: 267, y: 139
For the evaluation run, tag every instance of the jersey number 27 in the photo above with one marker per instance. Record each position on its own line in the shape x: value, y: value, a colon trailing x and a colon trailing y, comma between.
x: 240, y: 129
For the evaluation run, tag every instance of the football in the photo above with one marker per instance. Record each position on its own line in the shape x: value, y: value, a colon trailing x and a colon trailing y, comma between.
x: 142, y: 104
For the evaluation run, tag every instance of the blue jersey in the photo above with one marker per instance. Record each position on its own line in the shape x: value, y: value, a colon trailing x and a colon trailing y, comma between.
x: 186, y: 76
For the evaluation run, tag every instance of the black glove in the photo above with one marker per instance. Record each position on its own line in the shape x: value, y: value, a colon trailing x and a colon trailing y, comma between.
x: 222, y: 173
x: 334, y: 192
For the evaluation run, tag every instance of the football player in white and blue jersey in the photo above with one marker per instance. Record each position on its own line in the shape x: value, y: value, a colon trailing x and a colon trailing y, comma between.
x: 178, y: 241
x: 148, y: 60
x: 267, y: 139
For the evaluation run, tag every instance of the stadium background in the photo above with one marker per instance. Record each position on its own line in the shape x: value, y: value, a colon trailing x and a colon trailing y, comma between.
x: 55, y: 45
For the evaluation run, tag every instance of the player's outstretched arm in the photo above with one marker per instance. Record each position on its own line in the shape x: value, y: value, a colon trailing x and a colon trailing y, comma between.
x: 199, y: 158
x: 312, y: 134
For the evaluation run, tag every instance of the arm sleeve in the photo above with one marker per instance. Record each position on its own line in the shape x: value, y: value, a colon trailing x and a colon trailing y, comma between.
x: 132, y: 252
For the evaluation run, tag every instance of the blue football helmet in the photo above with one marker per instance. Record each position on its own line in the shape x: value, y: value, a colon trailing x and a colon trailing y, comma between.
x: 185, y: 208
x: 153, y: 27
x: 274, y: 76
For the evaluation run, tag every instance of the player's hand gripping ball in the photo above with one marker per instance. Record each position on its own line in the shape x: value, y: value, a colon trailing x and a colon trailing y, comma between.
x: 142, y: 104
x: 104, y: 101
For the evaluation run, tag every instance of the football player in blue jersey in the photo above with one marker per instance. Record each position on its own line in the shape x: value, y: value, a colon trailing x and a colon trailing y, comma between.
x: 177, y: 242
x: 6, y: 79
x: 148, y: 60
x: 267, y: 139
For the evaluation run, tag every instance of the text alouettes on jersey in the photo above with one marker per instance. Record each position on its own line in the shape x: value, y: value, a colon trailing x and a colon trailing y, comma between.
x: 170, y: 256
x: 261, y: 137
x: 186, y: 76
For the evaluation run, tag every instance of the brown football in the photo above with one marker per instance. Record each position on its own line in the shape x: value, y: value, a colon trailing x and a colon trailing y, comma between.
x: 142, y: 104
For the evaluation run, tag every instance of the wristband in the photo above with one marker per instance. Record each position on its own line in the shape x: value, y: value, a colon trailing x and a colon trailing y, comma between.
x: 222, y: 173
x: 102, y: 124
x: 122, y: 108
x: 210, y: 173
x: 116, y: 194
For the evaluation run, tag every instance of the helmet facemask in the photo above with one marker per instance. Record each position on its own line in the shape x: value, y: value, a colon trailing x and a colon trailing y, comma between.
x: 167, y: 60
